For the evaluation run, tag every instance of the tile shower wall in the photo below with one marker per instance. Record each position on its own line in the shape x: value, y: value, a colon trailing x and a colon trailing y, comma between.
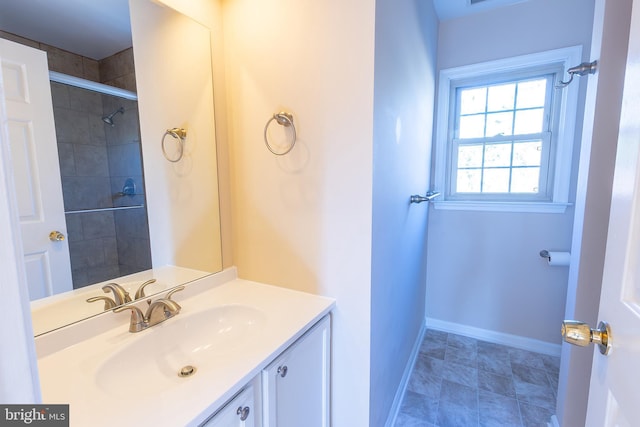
x: 95, y: 161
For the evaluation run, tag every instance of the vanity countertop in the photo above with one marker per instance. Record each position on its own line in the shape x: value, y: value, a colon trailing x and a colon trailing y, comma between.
x: 114, y: 377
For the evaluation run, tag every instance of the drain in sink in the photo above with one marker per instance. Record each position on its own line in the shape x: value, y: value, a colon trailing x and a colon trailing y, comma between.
x: 187, y: 371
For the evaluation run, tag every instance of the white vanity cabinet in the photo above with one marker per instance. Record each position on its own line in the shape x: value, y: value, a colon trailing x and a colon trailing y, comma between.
x: 241, y: 411
x: 295, y: 387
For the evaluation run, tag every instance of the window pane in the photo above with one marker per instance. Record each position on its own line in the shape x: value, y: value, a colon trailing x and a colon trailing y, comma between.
x: 470, y: 156
x: 527, y: 153
x: 472, y: 126
x: 529, y: 121
x: 525, y: 180
x: 473, y: 101
x: 497, y: 155
x: 495, y: 181
x: 501, y: 97
x: 468, y: 181
x: 532, y: 93
x: 499, y: 124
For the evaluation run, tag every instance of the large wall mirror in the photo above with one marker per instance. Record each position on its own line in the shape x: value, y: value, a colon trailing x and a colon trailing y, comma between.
x: 131, y: 213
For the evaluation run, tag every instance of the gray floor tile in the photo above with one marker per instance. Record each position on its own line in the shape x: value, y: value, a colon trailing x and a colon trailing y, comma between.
x: 462, y: 382
x: 462, y: 356
x: 428, y: 366
x: 534, y: 394
x: 527, y: 358
x: 417, y: 406
x: 436, y: 336
x: 495, y: 410
x: 460, y: 374
x: 463, y: 396
x: 458, y: 341
x: 495, y: 362
x: 404, y: 420
x: 553, y: 382
x: 452, y: 415
x: 551, y: 363
x: 426, y: 377
x: 530, y: 375
x: 533, y: 416
x: 499, y: 384
x: 493, y: 347
x: 435, y: 349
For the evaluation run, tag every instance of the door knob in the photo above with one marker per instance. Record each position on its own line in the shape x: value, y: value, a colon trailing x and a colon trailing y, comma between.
x: 579, y: 333
x: 56, y: 236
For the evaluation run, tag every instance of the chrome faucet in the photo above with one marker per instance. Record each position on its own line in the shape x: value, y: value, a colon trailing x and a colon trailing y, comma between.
x: 120, y: 295
x: 158, y: 311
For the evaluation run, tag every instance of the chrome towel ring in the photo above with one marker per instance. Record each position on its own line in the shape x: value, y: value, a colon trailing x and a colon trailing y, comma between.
x: 181, y: 136
x: 284, y: 119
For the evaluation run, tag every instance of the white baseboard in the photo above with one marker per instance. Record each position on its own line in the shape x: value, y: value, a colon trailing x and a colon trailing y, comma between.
x: 402, y: 387
x: 553, y: 422
x: 495, y: 337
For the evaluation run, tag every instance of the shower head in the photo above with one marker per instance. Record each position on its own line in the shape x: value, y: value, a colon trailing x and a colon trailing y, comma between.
x: 109, y: 119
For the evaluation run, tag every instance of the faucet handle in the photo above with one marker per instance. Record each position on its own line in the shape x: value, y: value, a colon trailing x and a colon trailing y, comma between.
x: 138, y: 322
x: 120, y: 294
x: 108, y: 302
x: 140, y: 291
x: 173, y: 291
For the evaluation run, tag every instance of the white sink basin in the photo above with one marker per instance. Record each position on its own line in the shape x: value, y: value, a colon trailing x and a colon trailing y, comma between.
x: 229, y: 329
x: 203, y: 340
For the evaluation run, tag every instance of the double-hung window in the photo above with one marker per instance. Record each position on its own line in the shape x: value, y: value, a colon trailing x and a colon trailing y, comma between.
x: 504, y: 134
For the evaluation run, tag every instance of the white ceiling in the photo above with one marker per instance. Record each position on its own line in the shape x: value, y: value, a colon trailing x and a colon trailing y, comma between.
x: 100, y: 28
x: 92, y: 28
x: 451, y: 9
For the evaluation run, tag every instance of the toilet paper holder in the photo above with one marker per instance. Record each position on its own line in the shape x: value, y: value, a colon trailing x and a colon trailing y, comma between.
x: 545, y: 254
x: 556, y: 259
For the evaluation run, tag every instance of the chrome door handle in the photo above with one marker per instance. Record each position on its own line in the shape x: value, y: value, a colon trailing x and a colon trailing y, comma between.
x: 580, y: 334
x: 56, y: 236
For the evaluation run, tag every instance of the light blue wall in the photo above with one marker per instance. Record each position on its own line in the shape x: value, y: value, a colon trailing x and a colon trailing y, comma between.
x: 405, y: 56
x: 484, y: 270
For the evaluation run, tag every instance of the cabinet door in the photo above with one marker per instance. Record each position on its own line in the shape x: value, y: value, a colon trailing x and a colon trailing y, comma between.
x: 296, y: 384
x: 241, y: 411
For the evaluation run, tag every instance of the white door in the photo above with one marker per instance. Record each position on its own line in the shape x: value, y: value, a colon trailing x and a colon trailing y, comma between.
x: 614, y: 394
x: 36, y: 171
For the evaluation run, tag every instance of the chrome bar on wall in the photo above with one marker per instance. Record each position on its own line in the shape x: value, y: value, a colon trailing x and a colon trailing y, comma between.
x: 54, y: 76
x: 426, y: 198
x: 121, y: 208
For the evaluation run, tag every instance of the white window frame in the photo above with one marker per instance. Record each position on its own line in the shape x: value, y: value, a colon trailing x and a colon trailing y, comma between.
x: 567, y: 101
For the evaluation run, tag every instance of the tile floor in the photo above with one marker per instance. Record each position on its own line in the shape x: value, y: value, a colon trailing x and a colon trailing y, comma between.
x: 461, y: 382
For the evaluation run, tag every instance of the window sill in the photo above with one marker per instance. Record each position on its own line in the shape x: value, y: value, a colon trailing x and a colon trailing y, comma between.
x: 527, y: 207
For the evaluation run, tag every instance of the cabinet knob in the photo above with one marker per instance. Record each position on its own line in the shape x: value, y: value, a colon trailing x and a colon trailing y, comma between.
x: 282, y: 370
x: 243, y: 412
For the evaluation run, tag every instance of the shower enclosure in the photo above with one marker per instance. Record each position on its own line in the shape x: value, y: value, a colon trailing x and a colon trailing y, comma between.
x: 102, y: 183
